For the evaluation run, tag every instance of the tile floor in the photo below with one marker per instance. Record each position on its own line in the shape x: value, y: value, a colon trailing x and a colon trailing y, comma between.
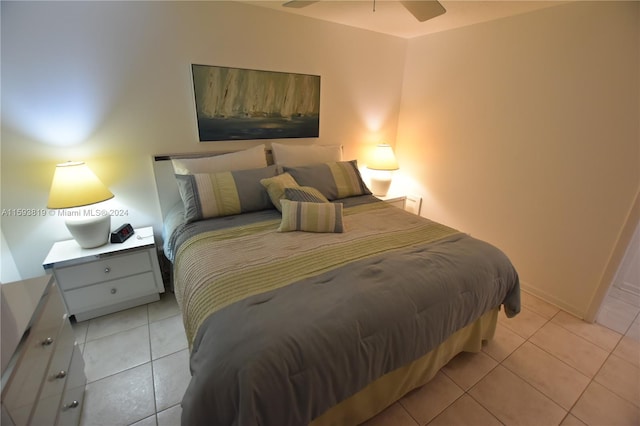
x: 543, y: 367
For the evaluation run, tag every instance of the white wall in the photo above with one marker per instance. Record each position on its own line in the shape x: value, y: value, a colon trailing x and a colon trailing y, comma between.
x: 110, y: 83
x: 525, y: 132
x: 8, y: 269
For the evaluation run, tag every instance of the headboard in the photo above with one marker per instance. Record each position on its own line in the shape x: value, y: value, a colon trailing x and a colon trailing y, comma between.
x: 166, y: 185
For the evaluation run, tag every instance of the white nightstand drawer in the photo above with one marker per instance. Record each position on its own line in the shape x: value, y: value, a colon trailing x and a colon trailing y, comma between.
x: 110, y: 292
x: 109, y: 268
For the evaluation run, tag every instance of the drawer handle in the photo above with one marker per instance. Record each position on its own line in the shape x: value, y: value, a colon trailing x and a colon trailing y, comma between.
x: 72, y: 404
x: 47, y: 341
x: 61, y: 374
x: 114, y: 290
x: 107, y: 270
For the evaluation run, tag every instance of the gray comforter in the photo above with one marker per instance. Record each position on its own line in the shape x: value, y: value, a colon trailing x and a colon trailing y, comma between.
x: 284, y: 355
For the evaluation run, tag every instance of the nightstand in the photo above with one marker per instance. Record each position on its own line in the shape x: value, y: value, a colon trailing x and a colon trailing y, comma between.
x: 106, y: 279
x: 395, y: 200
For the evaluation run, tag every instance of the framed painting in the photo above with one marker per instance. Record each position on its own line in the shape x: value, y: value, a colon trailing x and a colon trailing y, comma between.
x: 240, y: 104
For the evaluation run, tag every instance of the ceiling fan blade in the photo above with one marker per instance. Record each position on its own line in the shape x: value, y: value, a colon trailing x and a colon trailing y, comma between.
x: 299, y: 3
x: 424, y: 9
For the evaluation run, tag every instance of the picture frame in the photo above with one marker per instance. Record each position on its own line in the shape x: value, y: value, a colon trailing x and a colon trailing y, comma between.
x: 242, y: 104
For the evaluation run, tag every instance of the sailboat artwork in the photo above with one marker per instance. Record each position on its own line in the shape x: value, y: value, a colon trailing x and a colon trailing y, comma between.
x: 240, y: 104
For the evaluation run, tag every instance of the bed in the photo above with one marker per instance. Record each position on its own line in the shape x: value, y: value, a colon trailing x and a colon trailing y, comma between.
x: 310, y: 301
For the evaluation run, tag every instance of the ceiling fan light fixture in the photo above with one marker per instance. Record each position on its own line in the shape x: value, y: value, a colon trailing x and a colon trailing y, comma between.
x: 299, y: 3
x: 423, y: 10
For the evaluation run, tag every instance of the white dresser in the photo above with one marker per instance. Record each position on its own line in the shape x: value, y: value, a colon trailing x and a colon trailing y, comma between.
x: 109, y: 278
x: 43, y: 376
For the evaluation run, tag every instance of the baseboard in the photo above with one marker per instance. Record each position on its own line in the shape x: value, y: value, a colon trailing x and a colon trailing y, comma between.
x: 541, y: 294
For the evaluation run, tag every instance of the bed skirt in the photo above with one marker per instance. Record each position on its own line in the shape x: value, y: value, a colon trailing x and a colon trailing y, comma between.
x: 382, y: 393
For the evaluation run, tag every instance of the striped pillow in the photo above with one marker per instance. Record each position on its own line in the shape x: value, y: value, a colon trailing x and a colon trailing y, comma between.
x: 335, y: 180
x: 305, y: 193
x: 275, y: 187
x: 207, y: 195
x: 311, y: 217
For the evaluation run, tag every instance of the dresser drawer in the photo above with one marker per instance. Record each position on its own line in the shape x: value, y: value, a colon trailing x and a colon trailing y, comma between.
x: 108, y: 268
x: 111, y: 292
x: 21, y: 392
x: 56, y: 377
x: 71, y: 405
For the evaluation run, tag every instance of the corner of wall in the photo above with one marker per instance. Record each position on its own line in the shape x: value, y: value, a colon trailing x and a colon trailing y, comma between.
x: 619, y: 249
x: 8, y: 269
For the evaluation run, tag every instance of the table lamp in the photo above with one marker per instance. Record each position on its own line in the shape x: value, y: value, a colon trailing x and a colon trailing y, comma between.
x: 75, y: 185
x: 383, y: 164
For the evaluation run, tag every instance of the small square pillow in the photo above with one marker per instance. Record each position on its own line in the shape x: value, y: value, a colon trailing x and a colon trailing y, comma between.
x: 207, y: 195
x: 311, y: 217
x: 276, y: 185
x: 305, y: 193
x: 334, y: 180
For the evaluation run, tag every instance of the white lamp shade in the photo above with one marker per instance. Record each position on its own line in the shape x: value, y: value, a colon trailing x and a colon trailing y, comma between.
x: 75, y: 185
x: 383, y: 158
x: 383, y: 162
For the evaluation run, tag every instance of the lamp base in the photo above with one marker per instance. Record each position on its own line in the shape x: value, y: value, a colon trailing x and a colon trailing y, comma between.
x: 380, y: 185
x: 90, y: 232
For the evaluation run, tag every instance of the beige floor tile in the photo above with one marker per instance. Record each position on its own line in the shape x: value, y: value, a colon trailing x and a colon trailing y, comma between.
x: 539, y: 306
x: 465, y: 411
x: 634, y: 330
x: 427, y: 402
x: 167, y: 336
x: 503, y: 344
x: 116, y: 352
x: 617, y: 315
x: 571, y: 420
x: 625, y: 296
x: 515, y: 402
x: 467, y: 368
x: 147, y: 421
x: 394, y: 415
x: 557, y: 380
x: 599, y: 406
x: 120, y: 399
x: 622, y: 378
x: 171, y: 377
x: 525, y: 324
x: 629, y: 350
x: 117, y: 322
x: 164, y: 308
x: 574, y: 350
x: 604, y: 337
x: 170, y: 416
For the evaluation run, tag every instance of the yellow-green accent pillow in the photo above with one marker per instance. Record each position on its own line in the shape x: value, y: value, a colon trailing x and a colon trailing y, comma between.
x: 276, y: 185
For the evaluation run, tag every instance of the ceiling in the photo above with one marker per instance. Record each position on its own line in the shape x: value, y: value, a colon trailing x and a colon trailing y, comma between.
x: 390, y: 17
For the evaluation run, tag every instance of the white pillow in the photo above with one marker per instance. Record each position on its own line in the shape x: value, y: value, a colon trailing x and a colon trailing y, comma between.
x: 303, y: 155
x: 252, y: 158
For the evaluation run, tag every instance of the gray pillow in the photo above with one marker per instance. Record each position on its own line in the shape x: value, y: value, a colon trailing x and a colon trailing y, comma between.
x: 334, y: 180
x: 207, y: 195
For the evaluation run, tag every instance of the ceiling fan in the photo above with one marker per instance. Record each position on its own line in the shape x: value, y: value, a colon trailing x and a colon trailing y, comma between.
x: 422, y: 9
